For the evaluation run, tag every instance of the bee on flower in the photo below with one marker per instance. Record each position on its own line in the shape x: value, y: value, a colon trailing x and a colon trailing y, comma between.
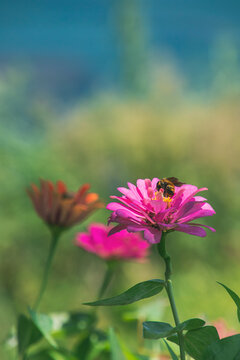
x: 158, y: 205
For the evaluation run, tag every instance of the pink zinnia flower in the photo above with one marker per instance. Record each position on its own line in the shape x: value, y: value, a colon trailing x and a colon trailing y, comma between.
x: 143, y: 208
x: 118, y: 246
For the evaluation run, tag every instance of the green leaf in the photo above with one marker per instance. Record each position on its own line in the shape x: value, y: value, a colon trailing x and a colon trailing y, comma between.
x: 27, y: 333
x: 99, y: 351
x: 190, y: 324
x: 148, y: 310
x: 235, y: 298
x: 89, y: 340
x: 138, y: 292
x: 119, y: 351
x: 171, y: 352
x: 84, y: 347
x: 41, y: 355
x: 67, y: 324
x: 130, y: 356
x: 44, y: 324
x: 173, y: 338
x: 197, y: 341
x: 78, y: 321
x: 116, y: 351
x: 51, y: 354
x: 224, y: 349
x: 157, y: 330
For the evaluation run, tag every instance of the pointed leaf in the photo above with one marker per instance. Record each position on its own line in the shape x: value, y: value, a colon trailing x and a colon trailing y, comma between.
x: 138, y: 292
x: 174, y: 339
x: 227, y: 348
x: 116, y: 350
x: 83, y: 347
x: 197, y: 341
x: 157, y: 330
x: 27, y: 333
x: 171, y: 352
x: 100, y: 351
x: 190, y: 324
x: 44, y: 324
x: 235, y: 298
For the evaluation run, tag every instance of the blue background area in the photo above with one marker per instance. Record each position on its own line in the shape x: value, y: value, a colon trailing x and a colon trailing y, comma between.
x: 78, y: 40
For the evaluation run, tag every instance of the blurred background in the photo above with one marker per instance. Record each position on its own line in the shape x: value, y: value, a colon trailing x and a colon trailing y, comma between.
x: 107, y: 92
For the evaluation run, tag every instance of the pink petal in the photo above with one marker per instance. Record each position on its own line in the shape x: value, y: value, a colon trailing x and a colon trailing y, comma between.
x: 142, y: 186
x: 191, y: 229
x: 206, y: 226
x: 130, y: 203
x: 114, y: 206
x: 185, y: 193
x: 199, y: 198
x: 136, y: 211
x: 125, y: 213
x: 154, y: 183
x: 136, y: 228
x: 197, y: 210
x: 135, y: 192
x: 84, y: 240
x: 98, y: 233
x: 152, y: 236
x: 128, y: 193
x: 122, y: 220
x: 158, y: 205
x: 116, y: 229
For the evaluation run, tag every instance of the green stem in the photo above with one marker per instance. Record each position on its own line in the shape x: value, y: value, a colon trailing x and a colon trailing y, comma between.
x: 55, y: 232
x: 168, y: 286
x: 55, y: 237
x: 106, y: 280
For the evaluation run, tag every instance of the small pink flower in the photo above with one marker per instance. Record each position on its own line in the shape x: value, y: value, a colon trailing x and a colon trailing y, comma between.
x: 222, y: 329
x: 118, y: 246
x: 143, y: 208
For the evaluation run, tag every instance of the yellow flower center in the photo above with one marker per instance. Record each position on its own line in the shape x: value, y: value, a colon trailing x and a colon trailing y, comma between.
x: 155, y: 195
x: 168, y: 200
x: 158, y: 195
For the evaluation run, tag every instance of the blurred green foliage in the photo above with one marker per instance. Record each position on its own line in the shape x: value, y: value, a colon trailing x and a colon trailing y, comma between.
x: 108, y: 140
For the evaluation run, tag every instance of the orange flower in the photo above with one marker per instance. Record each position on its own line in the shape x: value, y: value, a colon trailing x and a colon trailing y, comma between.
x: 59, y: 207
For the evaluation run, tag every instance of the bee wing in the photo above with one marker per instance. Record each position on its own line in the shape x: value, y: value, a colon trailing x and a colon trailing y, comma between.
x: 175, y: 181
